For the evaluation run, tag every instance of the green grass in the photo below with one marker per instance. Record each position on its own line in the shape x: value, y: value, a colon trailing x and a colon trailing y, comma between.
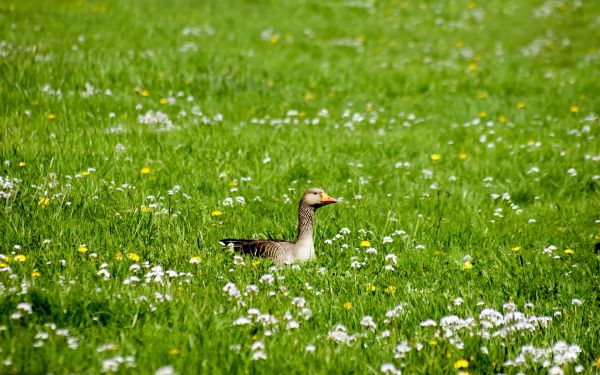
x: 266, y: 99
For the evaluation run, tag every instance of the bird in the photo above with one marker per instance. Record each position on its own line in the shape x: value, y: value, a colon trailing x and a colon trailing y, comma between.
x: 281, y: 251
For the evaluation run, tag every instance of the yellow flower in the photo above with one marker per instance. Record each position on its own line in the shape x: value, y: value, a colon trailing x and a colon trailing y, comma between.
x: 22, y: 164
x: 133, y: 256
x: 255, y: 263
x: 468, y: 266
x: 174, y: 351
x: 85, y: 173
x: 44, y: 202
x: 459, y: 43
x: 119, y: 256
x: 481, y: 94
x: 82, y: 249
x: 216, y: 213
x: 471, y: 4
x: 194, y: 260
x: 516, y: 249
x: 574, y: 109
x: 3, y: 265
x: 348, y: 305
x: 569, y: 251
x: 309, y: 96
x: 274, y: 39
x: 146, y: 209
x: 433, y: 342
x: 390, y: 289
x: 371, y: 288
x: 502, y: 119
x: 461, y: 363
x: 20, y: 258
x: 365, y: 243
x: 36, y: 274
x: 472, y: 67
x: 483, y: 114
x: 233, y: 183
x: 597, y: 362
x: 163, y: 101
x: 521, y: 105
x: 436, y: 157
x: 145, y: 170
x: 145, y: 93
x: 462, y: 155
x: 51, y: 116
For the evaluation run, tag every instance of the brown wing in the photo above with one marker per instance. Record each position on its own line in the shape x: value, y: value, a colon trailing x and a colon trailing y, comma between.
x: 274, y: 249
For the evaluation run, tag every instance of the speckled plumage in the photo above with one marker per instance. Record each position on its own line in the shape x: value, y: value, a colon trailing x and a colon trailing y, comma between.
x: 286, y: 251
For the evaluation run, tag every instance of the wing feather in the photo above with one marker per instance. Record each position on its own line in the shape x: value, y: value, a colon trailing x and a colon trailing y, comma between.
x: 274, y: 249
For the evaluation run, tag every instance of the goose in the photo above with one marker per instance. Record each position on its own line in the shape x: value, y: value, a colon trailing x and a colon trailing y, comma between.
x: 281, y: 251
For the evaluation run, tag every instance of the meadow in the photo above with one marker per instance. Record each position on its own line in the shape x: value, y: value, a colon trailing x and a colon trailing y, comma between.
x: 461, y: 138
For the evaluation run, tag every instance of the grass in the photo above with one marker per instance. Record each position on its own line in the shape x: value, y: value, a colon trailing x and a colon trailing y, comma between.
x: 462, y: 137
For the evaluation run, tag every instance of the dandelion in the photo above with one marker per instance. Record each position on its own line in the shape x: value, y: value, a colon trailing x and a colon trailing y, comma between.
x: 145, y: 170
x: 520, y: 105
x: 574, y: 108
x: 516, y: 249
x: 472, y: 67
x: 216, y: 213
x: 133, y: 256
x: 51, y: 116
x: 481, y: 94
x: 347, y: 305
x: 20, y: 258
x: 22, y: 164
x: 482, y: 114
x: 145, y: 93
x: 597, y: 362
x: 436, y: 157
x: 36, y: 274
x: 461, y: 363
x: 503, y: 119
x: 468, y: 265
x: 163, y: 101
x: 390, y: 289
x: 433, y: 342
x: 569, y: 251
x: 82, y: 249
x: 174, y: 351
x: 309, y: 96
x: 146, y: 209
x: 365, y: 243
x: 371, y: 288
x: 195, y: 260
x: 463, y: 156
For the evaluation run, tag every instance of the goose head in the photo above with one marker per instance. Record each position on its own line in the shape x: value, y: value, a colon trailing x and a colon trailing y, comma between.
x: 316, y: 198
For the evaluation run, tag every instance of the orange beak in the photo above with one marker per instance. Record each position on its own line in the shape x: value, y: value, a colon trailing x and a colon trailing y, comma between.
x: 326, y: 199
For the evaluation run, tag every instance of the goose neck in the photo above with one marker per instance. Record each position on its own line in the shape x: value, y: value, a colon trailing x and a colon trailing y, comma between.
x: 306, y: 218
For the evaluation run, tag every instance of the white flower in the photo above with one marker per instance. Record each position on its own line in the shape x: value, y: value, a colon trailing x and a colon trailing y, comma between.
x: 25, y: 307
x: 267, y: 279
x: 241, y: 321
x: 389, y: 368
x: 310, y: 348
x: 259, y: 355
x: 165, y: 370
x: 368, y: 323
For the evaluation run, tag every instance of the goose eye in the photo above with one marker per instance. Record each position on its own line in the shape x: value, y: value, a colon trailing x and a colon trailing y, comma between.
x: 315, y: 193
